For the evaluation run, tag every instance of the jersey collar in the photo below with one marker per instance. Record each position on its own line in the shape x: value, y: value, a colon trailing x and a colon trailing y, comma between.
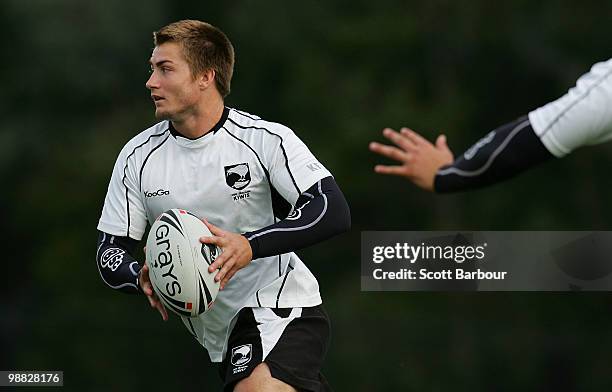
x: 202, y: 140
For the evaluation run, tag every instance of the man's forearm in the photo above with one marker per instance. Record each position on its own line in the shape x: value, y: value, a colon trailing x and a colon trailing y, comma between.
x: 501, y: 154
x: 320, y: 212
x: 118, y: 269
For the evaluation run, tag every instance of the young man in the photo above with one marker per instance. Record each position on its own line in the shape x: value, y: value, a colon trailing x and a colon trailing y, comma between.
x: 262, y: 193
x: 581, y: 117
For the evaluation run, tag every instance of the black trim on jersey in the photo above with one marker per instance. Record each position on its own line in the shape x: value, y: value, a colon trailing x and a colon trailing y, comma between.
x: 127, y: 200
x: 247, y: 115
x: 214, y: 129
x: 276, y: 198
x: 282, y: 286
x: 500, y: 155
x: 281, y: 146
x: 280, y: 267
x: 280, y: 290
x: 125, y: 276
x: 147, y: 158
x: 257, y: 295
x: 280, y: 206
x: 320, y: 213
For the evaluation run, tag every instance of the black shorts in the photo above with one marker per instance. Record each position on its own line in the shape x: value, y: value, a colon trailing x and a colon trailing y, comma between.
x: 292, y: 342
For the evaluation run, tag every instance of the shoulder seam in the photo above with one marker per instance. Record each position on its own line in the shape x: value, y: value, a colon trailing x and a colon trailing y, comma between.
x: 244, y: 114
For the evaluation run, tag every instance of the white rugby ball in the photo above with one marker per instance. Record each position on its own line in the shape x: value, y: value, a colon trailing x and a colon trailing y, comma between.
x: 178, y: 263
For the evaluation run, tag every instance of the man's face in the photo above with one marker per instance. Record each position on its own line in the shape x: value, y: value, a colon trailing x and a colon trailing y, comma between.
x: 174, y: 90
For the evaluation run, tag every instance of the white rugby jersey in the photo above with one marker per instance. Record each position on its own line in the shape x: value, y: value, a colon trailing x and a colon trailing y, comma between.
x: 583, y: 116
x: 230, y: 176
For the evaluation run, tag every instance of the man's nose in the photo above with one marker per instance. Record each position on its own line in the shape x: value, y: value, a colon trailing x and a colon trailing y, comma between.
x: 152, y: 82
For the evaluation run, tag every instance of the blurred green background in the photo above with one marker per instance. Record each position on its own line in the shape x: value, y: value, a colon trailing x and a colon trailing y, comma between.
x: 72, y: 93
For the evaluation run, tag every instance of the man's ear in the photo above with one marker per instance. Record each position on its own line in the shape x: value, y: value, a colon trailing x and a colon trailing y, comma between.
x: 206, y: 78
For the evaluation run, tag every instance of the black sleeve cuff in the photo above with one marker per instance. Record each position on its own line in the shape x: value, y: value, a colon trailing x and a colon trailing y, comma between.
x: 501, y: 154
x: 320, y: 213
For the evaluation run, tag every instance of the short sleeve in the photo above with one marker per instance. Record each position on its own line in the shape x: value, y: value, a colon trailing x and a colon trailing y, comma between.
x: 293, y: 168
x: 581, y: 117
x: 123, y: 213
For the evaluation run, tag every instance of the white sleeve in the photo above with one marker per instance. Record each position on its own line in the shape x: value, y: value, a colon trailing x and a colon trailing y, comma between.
x: 123, y: 213
x: 581, y: 117
x: 293, y: 168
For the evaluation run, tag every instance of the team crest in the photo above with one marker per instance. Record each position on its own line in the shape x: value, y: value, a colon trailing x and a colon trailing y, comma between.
x: 241, y: 355
x: 238, y: 176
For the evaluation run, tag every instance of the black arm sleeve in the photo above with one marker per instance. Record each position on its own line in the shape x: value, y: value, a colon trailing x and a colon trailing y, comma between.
x: 319, y: 213
x: 501, y: 154
x: 117, y: 267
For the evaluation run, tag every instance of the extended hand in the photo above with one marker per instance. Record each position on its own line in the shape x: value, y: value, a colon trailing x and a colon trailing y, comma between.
x: 419, y: 159
x: 147, y: 288
x: 236, y: 253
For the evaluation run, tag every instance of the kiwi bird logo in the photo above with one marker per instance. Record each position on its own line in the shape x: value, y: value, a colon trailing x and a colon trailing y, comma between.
x: 241, y: 354
x: 238, y: 176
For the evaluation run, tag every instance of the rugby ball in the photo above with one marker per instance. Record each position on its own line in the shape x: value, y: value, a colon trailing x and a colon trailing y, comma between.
x: 178, y: 263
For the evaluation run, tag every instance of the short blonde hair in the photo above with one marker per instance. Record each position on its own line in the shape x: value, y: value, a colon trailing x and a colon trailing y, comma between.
x: 204, y: 47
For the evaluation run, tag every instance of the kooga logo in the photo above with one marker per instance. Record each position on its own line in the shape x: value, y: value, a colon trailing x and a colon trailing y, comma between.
x: 159, y: 192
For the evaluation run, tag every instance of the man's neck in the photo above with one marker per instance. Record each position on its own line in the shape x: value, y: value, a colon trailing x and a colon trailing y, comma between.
x: 201, y: 122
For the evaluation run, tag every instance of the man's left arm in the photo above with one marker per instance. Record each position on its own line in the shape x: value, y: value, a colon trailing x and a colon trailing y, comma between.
x: 320, y: 213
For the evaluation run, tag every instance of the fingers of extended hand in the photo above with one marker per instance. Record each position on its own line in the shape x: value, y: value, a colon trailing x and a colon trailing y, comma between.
x: 413, y: 136
x: 393, y: 170
x: 400, y: 139
x: 390, y: 152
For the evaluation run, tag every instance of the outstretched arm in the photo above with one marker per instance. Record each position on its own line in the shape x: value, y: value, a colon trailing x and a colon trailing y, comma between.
x: 583, y: 116
x: 501, y: 154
